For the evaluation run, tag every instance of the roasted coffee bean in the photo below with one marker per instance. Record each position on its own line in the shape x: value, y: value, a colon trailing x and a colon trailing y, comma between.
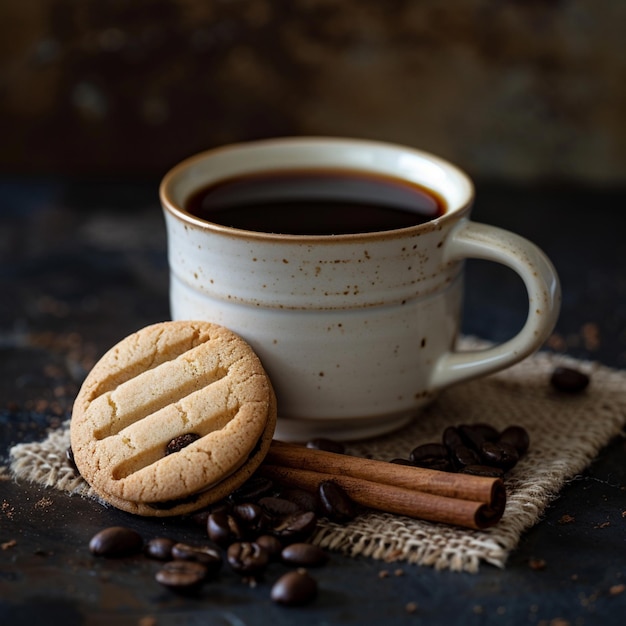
x: 224, y: 528
x: 463, y: 456
x: 569, y: 380
x: 253, y: 518
x: 200, y: 518
x: 334, y: 503
x: 487, y: 471
x: 306, y: 500
x: 182, y: 576
x: 402, y: 462
x: 248, y: 512
x: 116, y: 541
x: 247, y: 558
x: 487, y: 431
x: 160, y: 548
x: 500, y: 455
x: 253, y: 489
x: 270, y: 544
x: 294, y: 588
x: 69, y: 457
x: 517, y: 437
x: 278, y: 507
x: 295, y: 527
x: 431, y: 456
x: 471, y: 438
x: 474, y: 435
x: 209, y: 556
x: 452, y: 438
x: 442, y: 465
x: 328, y: 445
x: 180, y: 442
x: 304, y: 554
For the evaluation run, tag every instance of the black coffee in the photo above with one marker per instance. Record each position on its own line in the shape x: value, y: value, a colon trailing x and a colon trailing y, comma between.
x: 324, y: 202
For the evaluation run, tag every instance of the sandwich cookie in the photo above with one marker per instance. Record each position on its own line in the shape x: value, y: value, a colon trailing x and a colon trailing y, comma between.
x: 173, y: 418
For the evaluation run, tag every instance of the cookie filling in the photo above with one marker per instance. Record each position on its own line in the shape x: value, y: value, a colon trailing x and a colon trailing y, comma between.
x: 171, y: 504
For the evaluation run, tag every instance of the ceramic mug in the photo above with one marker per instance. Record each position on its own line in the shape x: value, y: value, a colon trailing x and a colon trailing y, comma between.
x: 356, y: 331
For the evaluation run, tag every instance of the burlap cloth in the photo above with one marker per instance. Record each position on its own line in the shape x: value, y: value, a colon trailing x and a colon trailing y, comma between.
x: 566, y: 431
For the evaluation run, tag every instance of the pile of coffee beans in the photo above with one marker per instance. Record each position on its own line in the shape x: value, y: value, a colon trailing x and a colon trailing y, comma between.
x: 478, y: 449
x: 260, y: 524
x: 482, y: 450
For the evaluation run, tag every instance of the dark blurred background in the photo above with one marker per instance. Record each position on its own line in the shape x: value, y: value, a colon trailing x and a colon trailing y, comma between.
x: 511, y: 90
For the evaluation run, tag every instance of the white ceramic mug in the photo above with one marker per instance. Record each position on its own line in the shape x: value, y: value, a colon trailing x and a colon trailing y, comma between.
x: 356, y: 331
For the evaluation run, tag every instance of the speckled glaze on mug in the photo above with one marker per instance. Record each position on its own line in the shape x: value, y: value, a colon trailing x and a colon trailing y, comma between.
x: 358, y: 331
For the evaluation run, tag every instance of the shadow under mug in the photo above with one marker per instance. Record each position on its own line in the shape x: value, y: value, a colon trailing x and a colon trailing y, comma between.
x: 357, y: 331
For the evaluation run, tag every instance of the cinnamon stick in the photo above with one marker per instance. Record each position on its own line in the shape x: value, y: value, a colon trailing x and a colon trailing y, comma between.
x: 459, y: 499
x: 462, y: 486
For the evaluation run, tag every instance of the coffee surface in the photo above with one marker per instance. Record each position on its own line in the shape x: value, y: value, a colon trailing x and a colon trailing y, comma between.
x: 315, y: 203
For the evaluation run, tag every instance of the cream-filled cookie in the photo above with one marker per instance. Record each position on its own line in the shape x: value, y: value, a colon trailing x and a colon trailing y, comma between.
x: 173, y: 418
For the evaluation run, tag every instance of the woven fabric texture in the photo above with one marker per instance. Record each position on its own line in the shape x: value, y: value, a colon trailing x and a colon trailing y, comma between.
x: 566, y: 431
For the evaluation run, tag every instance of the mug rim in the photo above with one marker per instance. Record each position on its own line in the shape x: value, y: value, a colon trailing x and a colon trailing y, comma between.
x: 170, y: 205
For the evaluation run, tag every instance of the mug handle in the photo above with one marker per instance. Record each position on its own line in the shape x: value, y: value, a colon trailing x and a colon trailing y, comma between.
x: 480, y: 241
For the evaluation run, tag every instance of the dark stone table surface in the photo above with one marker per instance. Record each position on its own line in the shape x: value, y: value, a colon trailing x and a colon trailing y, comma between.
x: 83, y: 264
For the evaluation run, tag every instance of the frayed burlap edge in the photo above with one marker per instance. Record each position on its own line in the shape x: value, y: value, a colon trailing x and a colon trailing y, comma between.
x: 46, y: 463
x: 567, y: 432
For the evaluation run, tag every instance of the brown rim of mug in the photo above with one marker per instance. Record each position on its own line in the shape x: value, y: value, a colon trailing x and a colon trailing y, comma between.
x: 435, y: 224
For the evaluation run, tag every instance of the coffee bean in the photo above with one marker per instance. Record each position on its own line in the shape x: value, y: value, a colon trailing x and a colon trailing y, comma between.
x: 452, y: 438
x: 160, y: 548
x: 487, y: 471
x: 402, y: 462
x: 200, y: 518
x: 334, y: 503
x: 295, y: 527
x: 223, y: 528
x: 500, y: 455
x: 247, y: 558
x: 116, y: 541
x: 431, y: 456
x: 463, y: 456
x: 182, y: 576
x: 487, y: 431
x: 442, y: 465
x: 69, y: 457
x: 247, y: 512
x: 270, y: 544
x: 474, y: 435
x: 180, y: 442
x: 278, y: 507
x: 517, y: 437
x: 209, y: 556
x: 305, y: 554
x: 569, y: 380
x: 251, y: 514
x: 328, y: 445
x: 294, y: 589
x: 306, y: 500
x: 253, y: 489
